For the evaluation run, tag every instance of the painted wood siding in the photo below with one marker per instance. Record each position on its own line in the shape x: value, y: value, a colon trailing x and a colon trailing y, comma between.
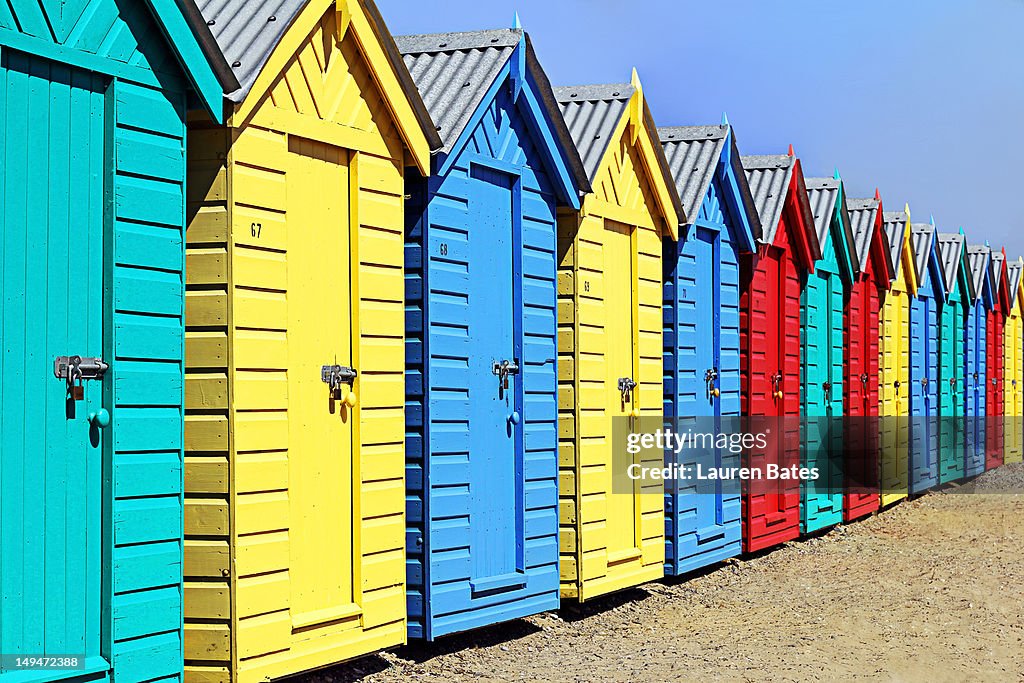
x: 1013, y: 383
x: 241, y: 521
x: 771, y: 283
x: 894, y: 390
x: 951, y: 395
x: 702, y: 330
x: 994, y: 395
x: 924, y: 362
x: 448, y: 503
x: 142, y: 175
x: 621, y: 196
x: 976, y: 367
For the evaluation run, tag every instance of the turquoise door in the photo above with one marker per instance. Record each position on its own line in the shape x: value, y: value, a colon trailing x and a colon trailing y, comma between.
x: 51, y: 292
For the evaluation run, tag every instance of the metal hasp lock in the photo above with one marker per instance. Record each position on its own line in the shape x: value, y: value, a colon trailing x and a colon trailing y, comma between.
x: 896, y: 386
x: 626, y: 387
x: 994, y: 381
x: 924, y: 381
x: 336, y: 375
x: 975, y: 379
x: 952, y: 383
x: 75, y: 369
x: 864, y: 378
x: 503, y: 369
x: 710, y: 377
x: 827, y: 388
x: 777, y: 385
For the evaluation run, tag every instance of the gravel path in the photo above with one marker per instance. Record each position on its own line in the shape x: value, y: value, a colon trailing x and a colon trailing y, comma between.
x: 930, y: 590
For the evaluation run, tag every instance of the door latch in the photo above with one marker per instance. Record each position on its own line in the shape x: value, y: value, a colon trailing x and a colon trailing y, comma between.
x: 864, y: 378
x: 827, y: 387
x: 710, y: 377
x: 952, y: 383
x: 336, y: 375
x: 777, y: 385
x: 75, y: 369
x: 924, y: 381
x: 626, y: 387
x: 896, y: 386
x: 503, y: 369
x: 993, y: 381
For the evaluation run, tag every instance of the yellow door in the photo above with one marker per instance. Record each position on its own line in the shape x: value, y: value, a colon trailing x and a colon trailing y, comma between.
x: 319, y: 426
x: 623, y: 520
x: 1013, y: 439
x: 894, y: 392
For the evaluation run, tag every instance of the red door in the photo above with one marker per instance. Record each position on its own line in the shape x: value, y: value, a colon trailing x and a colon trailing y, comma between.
x: 861, y: 463
x: 994, y: 392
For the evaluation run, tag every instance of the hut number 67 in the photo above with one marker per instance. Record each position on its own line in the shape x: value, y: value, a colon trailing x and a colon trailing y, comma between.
x: 256, y: 229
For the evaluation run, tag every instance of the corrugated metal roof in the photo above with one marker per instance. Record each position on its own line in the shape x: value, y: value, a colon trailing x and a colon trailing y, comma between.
x: 863, y: 215
x: 822, y: 193
x: 247, y: 31
x: 950, y: 252
x: 693, y: 153
x: 591, y: 113
x: 894, y: 224
x: 1014, y: 269
x: 978, y: 257
x: 769, y: 178
x: 921, y: 237
x: 995, y: 268
x: 453, y: 72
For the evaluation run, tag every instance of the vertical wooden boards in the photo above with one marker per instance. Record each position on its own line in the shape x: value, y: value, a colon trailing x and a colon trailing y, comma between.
x: 975, y: 335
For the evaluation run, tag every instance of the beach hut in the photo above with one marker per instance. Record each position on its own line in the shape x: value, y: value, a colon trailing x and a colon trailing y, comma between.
x: 924, y: 359
x: 862, y: 313
x: 976, y: 358
x: 822, y: 355
x: 1013, y: 367
x: 771, y: 281
x: 481, y: 399
x: 702, y: 336
x: 952, y: 315
x: 92, y: 184
x: 295, y: 429
x: 612, y: 528
x: 995, y: 349
x: 894, y: 361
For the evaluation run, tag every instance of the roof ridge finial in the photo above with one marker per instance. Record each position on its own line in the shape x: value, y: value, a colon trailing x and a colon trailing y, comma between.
x: 835, y: 173
x: 987, y: 244
x: 878, y: 195
x: 725, y: 119
x: 962, y: 230
x: 790, y: 152
x: 516, y: 24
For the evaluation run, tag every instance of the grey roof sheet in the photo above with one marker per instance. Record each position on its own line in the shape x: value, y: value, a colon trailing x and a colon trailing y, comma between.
x: 995, y: 266
x: 822, y: 193
x: 1014, y: 269
x: 693, y: 153
x: 453, y: 72
x: 978, y: 257
x: 591, y: 113
x: 921, y: 237
x: 247, y: 31
x: 950, y: 252
x: 863, y: 216
x: 894, y: 223
x: 769, y: 178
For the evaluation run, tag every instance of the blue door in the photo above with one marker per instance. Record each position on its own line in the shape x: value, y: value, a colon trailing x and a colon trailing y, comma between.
x: 976, y: 334
x: 52, y: 137
x: 923, y: 398
x: 496, y: 392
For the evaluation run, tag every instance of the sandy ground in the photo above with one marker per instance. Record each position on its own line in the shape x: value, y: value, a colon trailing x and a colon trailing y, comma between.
x: 930, y: 590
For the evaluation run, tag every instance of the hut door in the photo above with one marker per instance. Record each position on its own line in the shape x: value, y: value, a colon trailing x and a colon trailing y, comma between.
x: 52, y: 170
x: 704, y: 294
x: 320, y: 473
x: 619, y: 275
x: 496, y: 412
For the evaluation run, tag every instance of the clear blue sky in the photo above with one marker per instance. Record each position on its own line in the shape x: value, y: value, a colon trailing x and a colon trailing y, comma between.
x: 923, y: 99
